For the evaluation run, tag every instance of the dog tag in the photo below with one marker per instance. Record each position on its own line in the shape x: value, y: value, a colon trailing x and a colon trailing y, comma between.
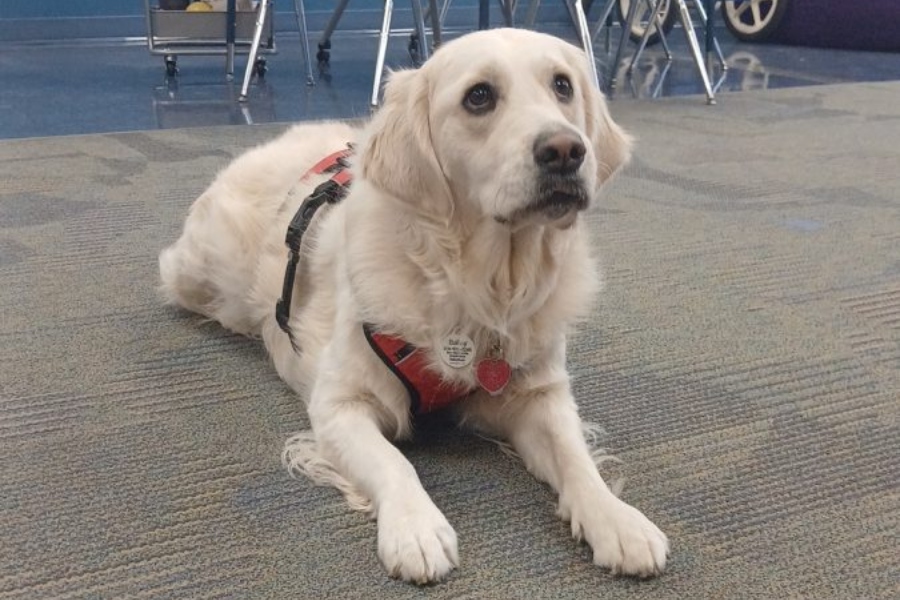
x: 493, y: 374
x: 457, y: 350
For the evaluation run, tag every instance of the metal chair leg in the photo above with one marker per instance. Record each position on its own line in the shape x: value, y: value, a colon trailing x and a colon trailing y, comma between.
x: 444, y: 8
x: 585, y: 34
x: 300, y: 14
x: 629, y: 21
x: 694, y: 46
x: 230, y: 29
x: 662, y: 37
x: 382, y: 50
x: 508, y: 7
x: 531, y: 13
x: 419, y: 19
x: 436, y: 16
x: 655, y: 6
x: 704, y: 20
x: 437, y: 20
x: 604, y: 16
x: 333, y: 21
x: 254, y: 48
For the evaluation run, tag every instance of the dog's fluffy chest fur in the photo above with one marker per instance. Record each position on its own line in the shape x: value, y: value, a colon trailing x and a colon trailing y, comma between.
x: 424, y: 281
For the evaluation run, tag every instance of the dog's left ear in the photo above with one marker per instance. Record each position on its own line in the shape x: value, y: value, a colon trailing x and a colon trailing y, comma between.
x: 398, y: 156
x: 612, y: 146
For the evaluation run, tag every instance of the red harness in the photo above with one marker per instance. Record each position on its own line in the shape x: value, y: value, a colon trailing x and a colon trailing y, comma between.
x: 427, y: 390
x: 336, y: 163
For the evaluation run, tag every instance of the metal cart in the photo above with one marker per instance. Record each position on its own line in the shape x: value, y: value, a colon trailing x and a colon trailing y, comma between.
x: 171, y: 33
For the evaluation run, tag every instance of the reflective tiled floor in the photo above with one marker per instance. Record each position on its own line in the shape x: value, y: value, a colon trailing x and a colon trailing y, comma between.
x: 101, y: 86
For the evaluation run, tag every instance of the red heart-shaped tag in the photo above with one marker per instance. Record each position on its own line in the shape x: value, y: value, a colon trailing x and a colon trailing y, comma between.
x: 493, y: 374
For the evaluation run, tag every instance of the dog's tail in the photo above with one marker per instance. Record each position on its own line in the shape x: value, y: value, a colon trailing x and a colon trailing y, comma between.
x: 184, y: 284
x: 191, y: 276
x: 302, y: 458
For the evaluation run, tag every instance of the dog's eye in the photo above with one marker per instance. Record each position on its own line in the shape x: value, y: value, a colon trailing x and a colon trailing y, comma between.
x: 563, y: 88
x: 480, y: 98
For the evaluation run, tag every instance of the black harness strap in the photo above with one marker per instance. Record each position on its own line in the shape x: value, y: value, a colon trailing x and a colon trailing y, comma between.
x: 330, y: 192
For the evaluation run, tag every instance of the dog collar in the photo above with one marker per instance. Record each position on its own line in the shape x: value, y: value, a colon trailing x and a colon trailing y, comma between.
x: 427, y: 390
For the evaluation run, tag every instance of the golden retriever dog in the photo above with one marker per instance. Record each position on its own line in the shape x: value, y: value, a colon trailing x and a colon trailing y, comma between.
x: 460, y: 237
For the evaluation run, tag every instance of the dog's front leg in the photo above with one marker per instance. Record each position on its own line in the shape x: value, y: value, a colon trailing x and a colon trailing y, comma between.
x: 544, y: 428
x: 415, y: 541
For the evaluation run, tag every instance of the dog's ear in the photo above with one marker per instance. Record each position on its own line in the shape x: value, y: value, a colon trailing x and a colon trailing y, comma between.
x: 398, y: 156
x: 612, y: 146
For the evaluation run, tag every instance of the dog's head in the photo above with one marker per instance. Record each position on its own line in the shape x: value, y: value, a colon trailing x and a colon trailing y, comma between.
x: 505, y: 124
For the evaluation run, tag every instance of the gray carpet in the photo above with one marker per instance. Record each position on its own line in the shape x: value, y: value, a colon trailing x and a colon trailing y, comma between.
x: 744, y: 359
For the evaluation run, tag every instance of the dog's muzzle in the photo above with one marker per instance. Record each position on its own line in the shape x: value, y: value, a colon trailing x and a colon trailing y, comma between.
x: 559, y: 192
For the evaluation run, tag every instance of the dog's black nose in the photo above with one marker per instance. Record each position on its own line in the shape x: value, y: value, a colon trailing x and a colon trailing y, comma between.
x: 560, y: 152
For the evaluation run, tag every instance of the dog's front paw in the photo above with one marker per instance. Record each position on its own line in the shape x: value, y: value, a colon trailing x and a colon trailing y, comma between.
x: 622, y: 538
x: 415, y: 541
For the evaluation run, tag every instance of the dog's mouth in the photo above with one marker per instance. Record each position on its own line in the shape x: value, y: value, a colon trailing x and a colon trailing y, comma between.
x: 559, y: 203
x: 556, y: 200
x: 557, y: 197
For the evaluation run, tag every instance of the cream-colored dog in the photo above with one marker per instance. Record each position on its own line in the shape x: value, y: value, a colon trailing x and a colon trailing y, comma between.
x: 460, y: 236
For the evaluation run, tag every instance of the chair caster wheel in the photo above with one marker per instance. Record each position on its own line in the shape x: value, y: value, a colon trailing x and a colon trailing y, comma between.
x: 323, y: 56
x: 260, y: 67
x: 414, y: 49
x: 171, y: 65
